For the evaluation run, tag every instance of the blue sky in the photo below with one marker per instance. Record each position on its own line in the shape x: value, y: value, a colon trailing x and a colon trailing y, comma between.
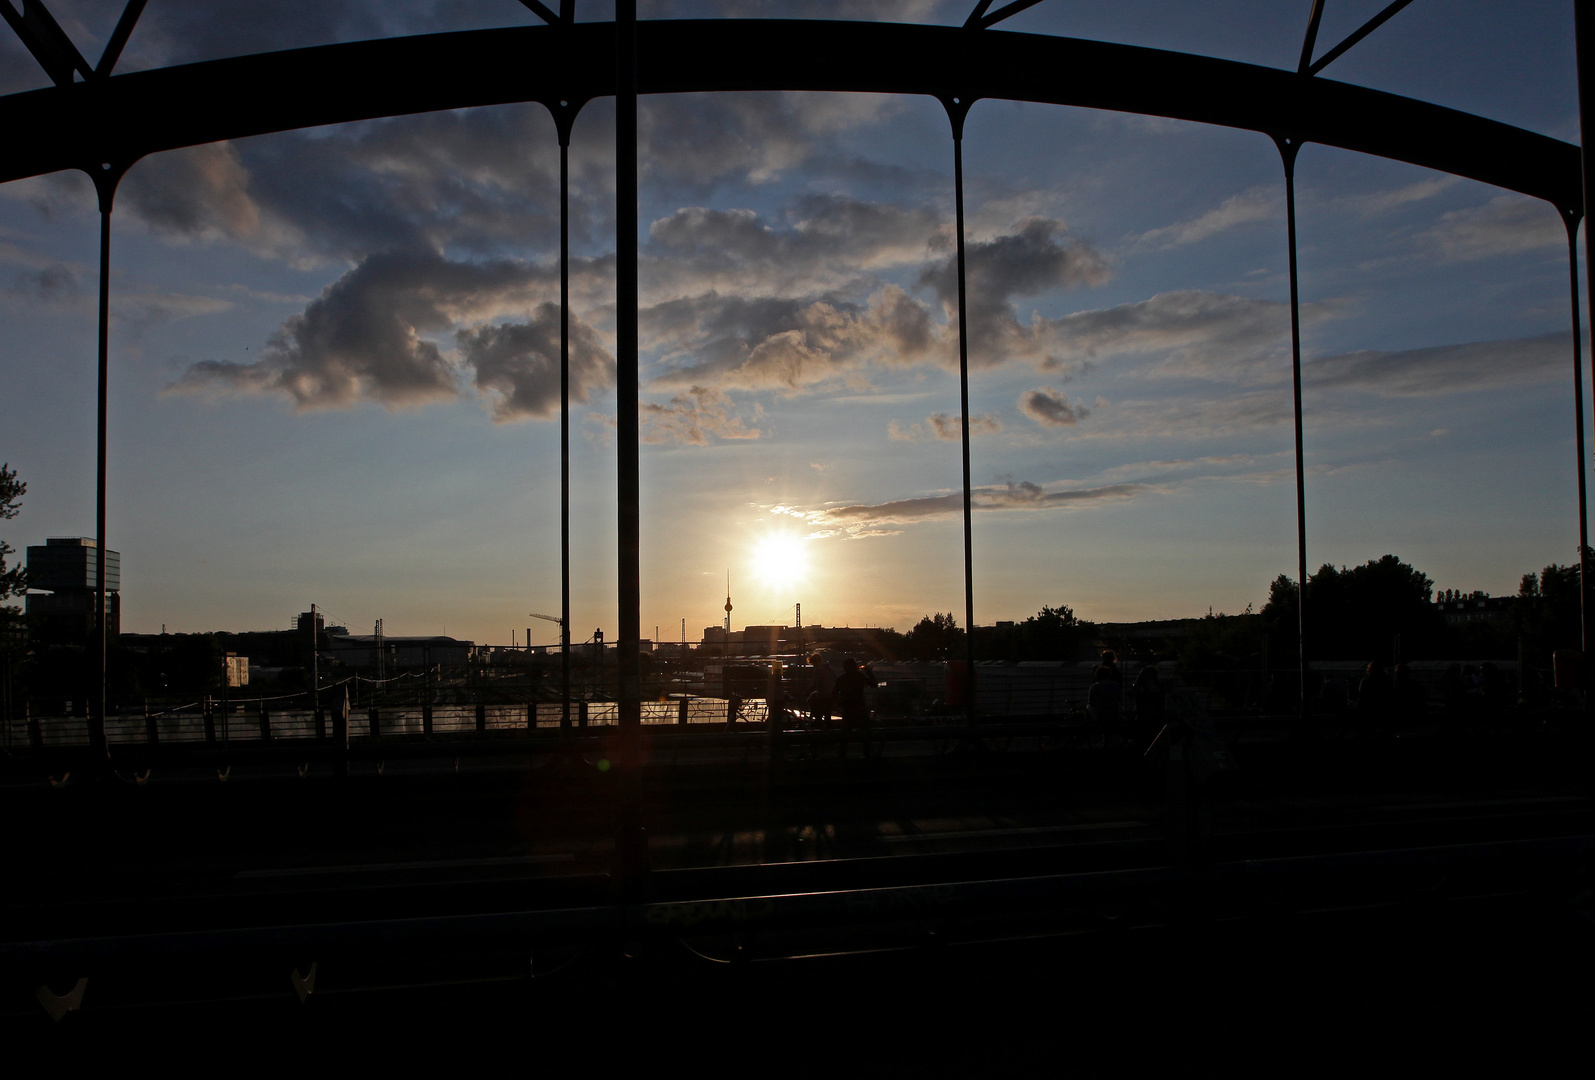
x: 331, y: 349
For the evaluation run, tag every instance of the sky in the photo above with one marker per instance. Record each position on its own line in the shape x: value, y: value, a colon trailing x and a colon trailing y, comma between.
x: 335, y: 352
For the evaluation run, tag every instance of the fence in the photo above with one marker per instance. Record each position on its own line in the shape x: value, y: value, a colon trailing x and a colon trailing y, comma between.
x: 246, y: 721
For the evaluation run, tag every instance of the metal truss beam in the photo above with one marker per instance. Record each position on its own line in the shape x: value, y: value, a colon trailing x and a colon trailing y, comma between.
x: 1311, y: 40
x: 980, y: 21
x: 1355, y: 36
x: 127, y: 116
x: 46, y: 40
x: 541, y: 11
x: 119, y: 36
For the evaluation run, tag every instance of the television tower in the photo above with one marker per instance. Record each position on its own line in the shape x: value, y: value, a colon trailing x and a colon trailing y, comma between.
x: 728, y: 603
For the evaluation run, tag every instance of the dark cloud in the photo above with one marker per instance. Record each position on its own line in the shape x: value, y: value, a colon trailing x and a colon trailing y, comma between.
x: 1013, y: 495
x: 517, y: 364
x: 199, y: 193
x: 362, y: 337
x: 1039, y: 257
x: 690, y: 141
x: 185, y: 31
x: 55, y: 284
x: 824, y: 243
x: 1051, y: 409
x: 753, y: 303
x: 483, y: 181
x: 881, y: 10
x: 785, y: 344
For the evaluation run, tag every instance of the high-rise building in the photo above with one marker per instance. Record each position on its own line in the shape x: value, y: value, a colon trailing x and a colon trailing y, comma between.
x: 61, y: 589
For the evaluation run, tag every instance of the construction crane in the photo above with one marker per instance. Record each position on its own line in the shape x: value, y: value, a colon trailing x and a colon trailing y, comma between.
x: 555, y: 619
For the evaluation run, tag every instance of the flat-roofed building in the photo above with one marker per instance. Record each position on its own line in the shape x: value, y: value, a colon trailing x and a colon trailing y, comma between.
x: 62, y: 589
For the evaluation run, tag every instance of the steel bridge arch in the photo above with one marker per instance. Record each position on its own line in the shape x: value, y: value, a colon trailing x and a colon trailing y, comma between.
x: 102, y: 126
x: 119, y: 119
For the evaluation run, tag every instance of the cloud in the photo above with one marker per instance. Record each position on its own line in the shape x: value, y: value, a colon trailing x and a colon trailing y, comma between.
x: 202, y: 194
x: 1039, y: 256
x: 1384, y: 201
x: 483, y: 181
x: 517, y: 364
x: 1049, y: 408
x: 825, y: 243
x: 863, y: 10
x: 1250, y: 206
x: 363, y: 336
x: 698, y: 139
x: 1470, y: 367
x: 144, y: 309
x: 1445, y: 369
x: 865, y: 519
x: 1200, y: 334
x: 945, y: 427
x: 769, y: 343
x: 1506, y: 225
x: 54, y: 284
x: 695, y: 418
x: 183, y: 31
x: 1233, y: 412
x: 744, y: 302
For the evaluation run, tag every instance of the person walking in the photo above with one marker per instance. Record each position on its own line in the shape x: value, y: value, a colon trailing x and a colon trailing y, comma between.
x: 1148, y: 691
x: 850, y: 702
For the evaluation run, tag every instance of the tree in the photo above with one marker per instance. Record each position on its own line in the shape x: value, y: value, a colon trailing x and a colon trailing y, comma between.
x: 934, y: 637
x: 13, y: 580
x: 1546, y: 611
x: 1357, y: 612
x: 1054, y: 633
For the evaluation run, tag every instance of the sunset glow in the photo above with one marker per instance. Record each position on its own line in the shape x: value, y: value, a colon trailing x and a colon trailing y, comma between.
x: 781, y: 561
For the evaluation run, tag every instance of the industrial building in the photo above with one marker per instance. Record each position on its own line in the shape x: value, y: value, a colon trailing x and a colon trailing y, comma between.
x: 364, y: 650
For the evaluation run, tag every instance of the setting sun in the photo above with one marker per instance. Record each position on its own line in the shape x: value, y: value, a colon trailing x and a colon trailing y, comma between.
x: 781, y: 560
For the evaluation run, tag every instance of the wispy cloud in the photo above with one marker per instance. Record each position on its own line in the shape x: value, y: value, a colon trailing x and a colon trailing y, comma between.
x: 1445, y: 369
x: 1381, y: 202
x: 876, y: 519
x: 696, y: 418
x: 945, y: 427
x: 1506, y: 225
x: 1196, y: 334
x: 1250, y: 206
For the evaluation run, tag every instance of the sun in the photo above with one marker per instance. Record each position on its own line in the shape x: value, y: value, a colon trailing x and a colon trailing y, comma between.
x: 781, y: 560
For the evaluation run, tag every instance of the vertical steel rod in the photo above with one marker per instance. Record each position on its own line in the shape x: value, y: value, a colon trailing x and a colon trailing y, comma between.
x: 626, y: 440
x: 958, y: 110
x: 1287, y: 150
x: 631, y: 842
x: 1584, y: 34
x: 97, y: 717
x: 564, y: 428
x: 1578, y: 414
